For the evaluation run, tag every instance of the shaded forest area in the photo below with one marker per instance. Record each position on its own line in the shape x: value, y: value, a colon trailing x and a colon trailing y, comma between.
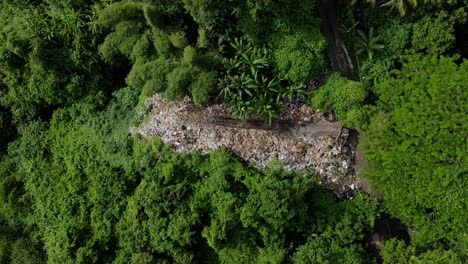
x: 76, y: 187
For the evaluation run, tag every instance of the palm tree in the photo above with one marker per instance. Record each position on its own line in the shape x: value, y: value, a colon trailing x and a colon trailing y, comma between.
x: 401, y: 5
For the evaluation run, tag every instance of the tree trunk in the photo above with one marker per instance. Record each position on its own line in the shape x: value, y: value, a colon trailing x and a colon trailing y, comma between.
x: 337, y: 52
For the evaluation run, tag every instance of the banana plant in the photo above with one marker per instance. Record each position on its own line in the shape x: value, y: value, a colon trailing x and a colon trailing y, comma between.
x: 247, y: 84
x: 241, y: 46
x: 231, y: 65
x: 368, y: 44
x: 241, y: 84
x: 267, y: 108
x: 400, y: 5
x: 271, y: 86
x: 242, y: 109
x: 295, y: 90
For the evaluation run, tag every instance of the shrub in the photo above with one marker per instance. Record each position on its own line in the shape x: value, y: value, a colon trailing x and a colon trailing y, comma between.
x: 143, y: 50
x: 373, y: 71
x: 344, y: 97
x: 46, y: 48
x: 203, y: 86
x: 434, y: 35
x: 211, y: 15
x: 260, y: 19
x: 202, y: 41
x: 178, y: 82
x: 22, y: 252
x: 6, y: 129
x: 154, y: 71
x: 300, y: 56
x: 189, y: 56
x: 119, y: 12
x: 178, y: 39
x: 161, y: 43
x: 122, y: 40
x: 395, y: 38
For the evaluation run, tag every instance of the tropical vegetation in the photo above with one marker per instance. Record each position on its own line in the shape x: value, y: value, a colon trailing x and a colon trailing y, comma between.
x: 77, y: 187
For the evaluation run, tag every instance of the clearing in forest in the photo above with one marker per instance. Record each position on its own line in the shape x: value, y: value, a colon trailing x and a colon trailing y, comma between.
x: 302, y: 140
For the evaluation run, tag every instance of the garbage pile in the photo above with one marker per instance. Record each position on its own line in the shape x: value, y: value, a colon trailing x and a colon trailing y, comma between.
x: 304, y: 140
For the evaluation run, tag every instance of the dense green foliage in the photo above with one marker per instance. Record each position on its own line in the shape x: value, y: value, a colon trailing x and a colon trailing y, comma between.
x: 111, y: 197
x: 418, y: 145
x: 76, y: 187
x: 345, y: 97
x: 157, y: 39
x: 292, y: 29
x: 397, y: 252
x: 46, y: 46
x: 247, y: 84
x: 300, y: 54
x: 434, y: 35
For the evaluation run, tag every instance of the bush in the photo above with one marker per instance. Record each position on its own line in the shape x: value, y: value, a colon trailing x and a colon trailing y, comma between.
x: 119, y: 12
x: 373, y: 71
x: 47, y: 47
x: 260, y: 19
x: 6, y: 130
x: 151, y: 76
x: 22, y: 252
x: 395, y: 39
x: 178, y: 39
x: 211, y: 15
x: 189, y: 56
x: 203, y: 86
x: 161, y: 43
x: 202, y: 40
x: 291, y: 29
x: 395, y: 252
x: 122, y: 40
x: 434, y: 36
x: 329, y: 246
x: 178, y: 82
x: 300, y: 56
x: 344, y: 97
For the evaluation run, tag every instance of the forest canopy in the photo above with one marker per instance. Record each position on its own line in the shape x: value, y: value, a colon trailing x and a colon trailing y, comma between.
x: 77, y: 187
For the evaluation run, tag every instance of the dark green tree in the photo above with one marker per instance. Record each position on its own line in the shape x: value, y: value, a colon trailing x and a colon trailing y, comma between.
x: 417, y: 147
x: 158, y: 40
x: 49, y: 57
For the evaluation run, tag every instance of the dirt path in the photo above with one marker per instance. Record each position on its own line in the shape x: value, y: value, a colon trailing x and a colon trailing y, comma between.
x: 286, y: 127
x: 310, y: 145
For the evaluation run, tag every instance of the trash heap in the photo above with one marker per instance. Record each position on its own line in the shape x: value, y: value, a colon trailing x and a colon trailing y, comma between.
x: 309, y: 142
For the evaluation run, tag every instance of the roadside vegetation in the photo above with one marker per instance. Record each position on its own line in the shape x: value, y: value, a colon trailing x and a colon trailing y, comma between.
x: 76, y: 187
